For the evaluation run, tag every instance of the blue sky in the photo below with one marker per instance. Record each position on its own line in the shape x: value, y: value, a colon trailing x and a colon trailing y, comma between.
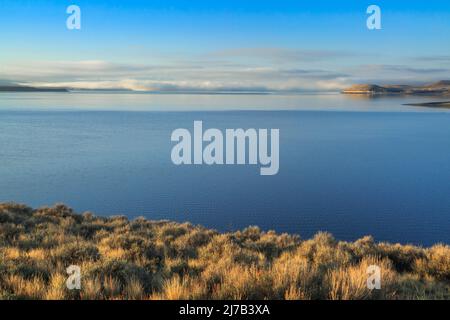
x: 223, y: 45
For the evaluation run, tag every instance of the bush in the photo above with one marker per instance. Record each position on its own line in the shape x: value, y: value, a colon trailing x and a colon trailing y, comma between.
x: 142, y: 259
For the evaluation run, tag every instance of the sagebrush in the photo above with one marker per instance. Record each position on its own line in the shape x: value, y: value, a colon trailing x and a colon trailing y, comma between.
x: 142, y: 259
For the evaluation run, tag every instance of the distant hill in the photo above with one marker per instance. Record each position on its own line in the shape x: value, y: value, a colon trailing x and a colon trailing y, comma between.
x: 438, y: 88
x: 17, y: 88
x: 440, y: 84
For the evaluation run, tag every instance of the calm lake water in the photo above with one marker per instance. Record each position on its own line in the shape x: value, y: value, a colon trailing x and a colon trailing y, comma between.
x: 351, y: 166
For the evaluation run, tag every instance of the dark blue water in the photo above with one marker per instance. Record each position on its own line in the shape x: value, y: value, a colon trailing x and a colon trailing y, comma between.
x: 386, y: 174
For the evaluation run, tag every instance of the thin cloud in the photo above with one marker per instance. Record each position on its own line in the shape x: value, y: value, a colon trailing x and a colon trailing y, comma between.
x: 278, y: 55
x: 437, y: 58
x: 97, y: 74
x: 215, y: 74
x: 402, y: 69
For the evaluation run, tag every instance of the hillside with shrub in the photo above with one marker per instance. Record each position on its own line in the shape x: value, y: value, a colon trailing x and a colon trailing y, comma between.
x: 142, y: 259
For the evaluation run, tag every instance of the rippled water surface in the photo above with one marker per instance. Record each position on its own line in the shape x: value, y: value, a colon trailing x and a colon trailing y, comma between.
x: 348, y: 165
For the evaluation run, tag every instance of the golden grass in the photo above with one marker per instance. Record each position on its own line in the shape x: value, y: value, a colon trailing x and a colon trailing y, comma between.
x: 350, y: 282
x: 56, y: 289
x: 134, y: 290
x: 11, y: 253
x: 91, y: 289
x: 175, y: 288
x: 36, y: 254
x: 34, y: 288
x: 141, y: 259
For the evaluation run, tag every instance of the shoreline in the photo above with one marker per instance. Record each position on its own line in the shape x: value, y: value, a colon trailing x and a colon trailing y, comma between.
x: 439, y: 104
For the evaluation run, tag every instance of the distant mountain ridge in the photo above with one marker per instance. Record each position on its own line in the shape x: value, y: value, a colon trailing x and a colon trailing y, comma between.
x: 437, y: 88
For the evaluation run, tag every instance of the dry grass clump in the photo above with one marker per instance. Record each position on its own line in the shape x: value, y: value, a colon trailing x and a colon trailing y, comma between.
x: 350, y: 282
x: 142, y: 259
x: 435, y: 263
x: 33, y: 288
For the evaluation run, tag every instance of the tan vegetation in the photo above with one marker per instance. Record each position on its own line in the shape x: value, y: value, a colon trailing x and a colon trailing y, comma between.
x: 441, y: 88
x: 142, y: 259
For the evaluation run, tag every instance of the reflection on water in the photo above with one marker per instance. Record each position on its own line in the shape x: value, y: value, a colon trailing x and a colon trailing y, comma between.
x: 208, y: 102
